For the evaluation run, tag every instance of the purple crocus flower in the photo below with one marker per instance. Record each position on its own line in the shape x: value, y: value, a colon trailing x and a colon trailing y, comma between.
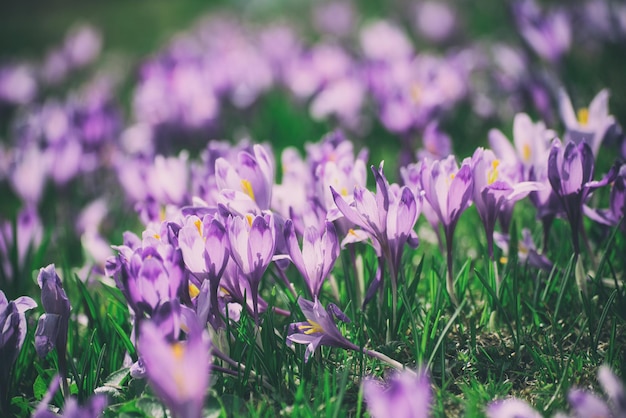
x: 588, y: 404
x: 320, y: 250
x: 406, y: 396
x: 448, y: 189
x: 92, y: 408
x: 511, y: 408
x: 526, y: 250
x: 549, y: 34
x: 588, y: 124
x: 496, y: 189
x: 570, y: 171
x: 178, y: 371
x: 205, y: 248
x: 148, y: 272
x: 252, y: 244
x: 320, y: 328
x: 387, y: 216
x: 253, y: 175
x: 12, y: 334
x: 617, y: 203
x: 53, y: 325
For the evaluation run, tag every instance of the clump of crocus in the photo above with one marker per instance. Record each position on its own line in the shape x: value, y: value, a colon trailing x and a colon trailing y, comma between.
x: 320, y: 250
x: 388, y: 217
x: 53, y: 324
x: 12, y: 334
x: 92, y: 408
x: 570, y: 171
x: 407, y: 395
x: 448, y: 189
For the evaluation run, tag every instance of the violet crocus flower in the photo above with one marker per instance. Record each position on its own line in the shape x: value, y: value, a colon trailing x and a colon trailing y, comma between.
x: 448, y: 189
x: 511, y: 408
x: 53, y: 325
x: 406, y: 396
x: 617, y: 203
x: 548, y: 33
x: 526, y: 250
x: 320, y: 328
x: 588, y: 404
x: 388, y: 217
x: 92, y: 408
x: 320, y: 249
x: 205, y: 248
x: 253, y: 175
x: 178, y: 371
x: 496, y: 189
x: 570, y: 171
x: 12, y: 335
x: 252, y: 244
x: 588, y: 124
x: 149, y: 272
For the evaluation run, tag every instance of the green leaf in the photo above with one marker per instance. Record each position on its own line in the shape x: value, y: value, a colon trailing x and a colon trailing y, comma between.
x: 40, y: 387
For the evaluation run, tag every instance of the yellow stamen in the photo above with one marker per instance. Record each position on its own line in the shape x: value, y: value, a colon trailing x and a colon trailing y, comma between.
x: 246, y: 187
x: 526, y: 151
x: 492, y: 175
x: 162, y: 213
x: 178, y: 350
x: 198, y: 225
x: 313, y: 328
x: 351, y: 232
x: 416, y: 92
x: 344, y: 191
x: 583, y: 116
x: 452, y: 176
x: 249, y: 218
x: 193, y: 290
x: 224, y: 291
x: 504, y: 260
x: 157, y: 236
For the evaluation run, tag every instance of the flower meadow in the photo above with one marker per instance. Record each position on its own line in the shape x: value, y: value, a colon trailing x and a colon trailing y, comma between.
x: 335, y: 209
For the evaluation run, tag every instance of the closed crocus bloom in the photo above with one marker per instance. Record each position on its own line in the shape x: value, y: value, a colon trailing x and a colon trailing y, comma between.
x: 320, y: 328
x: 52, y: 327
x: 570, y: 171
x: 12, y: 334
x: 320, y: 250
x: 448, y: 189
x: 178, y: 371
x: 252, y: 243
x: 588, y: 124
x: 586, y: 404
x: 205, y: 248
x: 406, y: 396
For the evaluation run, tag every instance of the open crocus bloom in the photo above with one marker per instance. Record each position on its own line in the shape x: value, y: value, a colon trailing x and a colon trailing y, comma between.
x: 320, y: 328
x: 587, y: 124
